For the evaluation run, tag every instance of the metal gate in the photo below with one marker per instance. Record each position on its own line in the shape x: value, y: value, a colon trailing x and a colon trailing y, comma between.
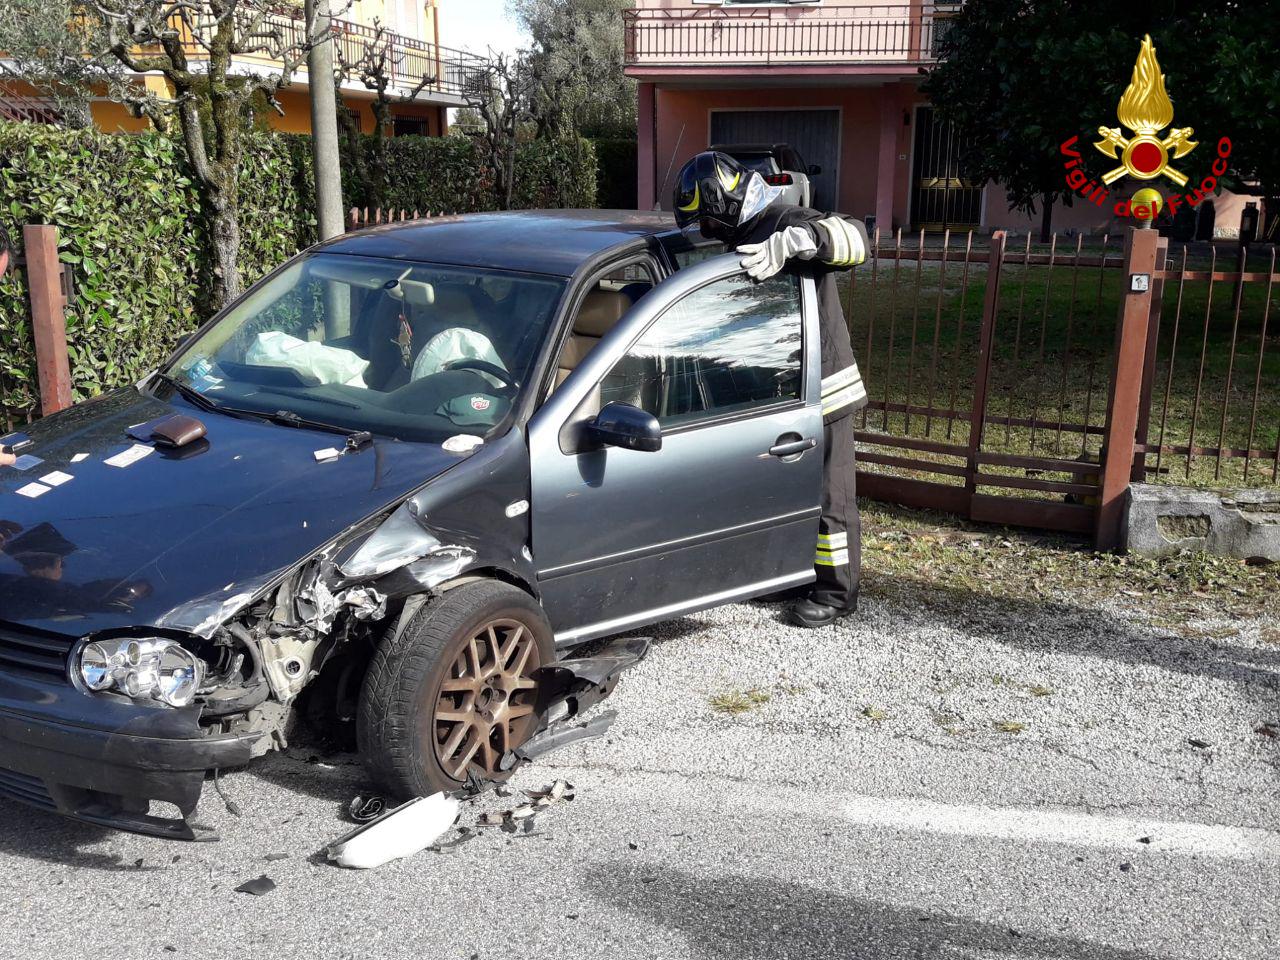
x: 814, y: 133
x: 942, y: 196
x: 989, y: 373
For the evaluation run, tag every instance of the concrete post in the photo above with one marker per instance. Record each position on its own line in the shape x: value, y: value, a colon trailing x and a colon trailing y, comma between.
x: 48, y: 316
x: 646, y: 147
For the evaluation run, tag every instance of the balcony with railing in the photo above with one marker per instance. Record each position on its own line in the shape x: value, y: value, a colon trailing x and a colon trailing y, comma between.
x: 856, y: 39
x: 449, y: 73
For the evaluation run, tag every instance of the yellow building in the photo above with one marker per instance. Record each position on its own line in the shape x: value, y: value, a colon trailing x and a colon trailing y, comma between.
x: 410, y: 27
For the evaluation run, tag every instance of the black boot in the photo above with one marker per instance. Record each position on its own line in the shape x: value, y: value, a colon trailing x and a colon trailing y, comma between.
x: 811, y: 613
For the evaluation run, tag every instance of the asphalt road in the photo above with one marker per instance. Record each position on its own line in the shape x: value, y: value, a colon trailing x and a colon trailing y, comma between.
x: 979, y: 780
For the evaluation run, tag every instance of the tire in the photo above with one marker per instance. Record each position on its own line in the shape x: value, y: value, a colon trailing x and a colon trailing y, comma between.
x: 408, y: 720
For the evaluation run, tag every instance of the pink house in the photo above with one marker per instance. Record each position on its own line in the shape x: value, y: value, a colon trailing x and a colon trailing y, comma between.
x: 838, y: 83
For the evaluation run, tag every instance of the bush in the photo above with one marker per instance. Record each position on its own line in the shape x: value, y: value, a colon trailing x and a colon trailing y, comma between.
x: 616, y: 169
x: 131, y: 230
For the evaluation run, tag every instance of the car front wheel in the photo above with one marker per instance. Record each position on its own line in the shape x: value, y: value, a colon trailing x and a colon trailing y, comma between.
x: 455, y: 691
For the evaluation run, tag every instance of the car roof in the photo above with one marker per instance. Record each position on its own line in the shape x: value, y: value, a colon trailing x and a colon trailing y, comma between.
x: 749, y: 147
x: 555, y: 242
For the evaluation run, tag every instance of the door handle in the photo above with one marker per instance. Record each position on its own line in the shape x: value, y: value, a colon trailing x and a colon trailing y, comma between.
x: 785, y: 447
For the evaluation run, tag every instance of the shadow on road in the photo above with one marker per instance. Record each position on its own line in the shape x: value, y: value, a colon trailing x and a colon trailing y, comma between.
x: 729, y: 917
x: 40, y: 835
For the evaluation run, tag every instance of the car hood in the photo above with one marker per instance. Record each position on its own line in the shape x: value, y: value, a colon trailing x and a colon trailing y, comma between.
x: 178, y: 538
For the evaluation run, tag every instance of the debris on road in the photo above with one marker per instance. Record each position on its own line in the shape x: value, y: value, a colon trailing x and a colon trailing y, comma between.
x: 363, y: 809
x: 520, y: 817
x: 564, y: 733
x: 400, y: 832
x: 259, y: 887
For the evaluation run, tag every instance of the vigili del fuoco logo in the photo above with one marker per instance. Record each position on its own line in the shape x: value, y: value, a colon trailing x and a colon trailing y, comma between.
x: 1145, y: 110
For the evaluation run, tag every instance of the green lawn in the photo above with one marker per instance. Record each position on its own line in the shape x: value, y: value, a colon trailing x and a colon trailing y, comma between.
x: 915, y: 329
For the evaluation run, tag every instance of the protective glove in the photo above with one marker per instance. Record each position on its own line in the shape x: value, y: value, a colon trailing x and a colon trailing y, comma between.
x: 763, y: 260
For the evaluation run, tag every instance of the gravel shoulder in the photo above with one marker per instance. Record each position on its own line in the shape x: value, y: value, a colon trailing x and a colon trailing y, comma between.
x: 1017, y: 750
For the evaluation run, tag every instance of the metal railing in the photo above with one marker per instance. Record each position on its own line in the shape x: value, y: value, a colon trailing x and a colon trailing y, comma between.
x: 20, y: 107
x: 731, y: 35
x: 455, y: 72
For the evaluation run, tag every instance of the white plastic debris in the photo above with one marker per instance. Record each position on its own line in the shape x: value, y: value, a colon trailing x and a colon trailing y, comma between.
x: 126, y: 457
x: 26, y: 462
x: 463, y: 443
x: 327, y: 454
x: 408, y: 829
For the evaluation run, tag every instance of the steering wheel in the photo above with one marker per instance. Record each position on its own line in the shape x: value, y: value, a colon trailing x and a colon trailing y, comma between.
x: 509, y: 383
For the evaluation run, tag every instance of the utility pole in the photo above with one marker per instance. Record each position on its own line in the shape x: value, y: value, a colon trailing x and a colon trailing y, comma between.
x: 324, y: 120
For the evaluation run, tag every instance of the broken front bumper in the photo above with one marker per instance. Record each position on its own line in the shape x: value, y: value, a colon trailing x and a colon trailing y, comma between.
x: 103, y: 759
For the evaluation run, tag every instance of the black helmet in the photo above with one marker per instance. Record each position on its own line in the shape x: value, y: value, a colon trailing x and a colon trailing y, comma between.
x: 718, y: 193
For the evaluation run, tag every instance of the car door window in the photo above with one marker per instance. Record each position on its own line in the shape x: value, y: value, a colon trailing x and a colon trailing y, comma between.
x: 606, y: 301
x: 728, y: 347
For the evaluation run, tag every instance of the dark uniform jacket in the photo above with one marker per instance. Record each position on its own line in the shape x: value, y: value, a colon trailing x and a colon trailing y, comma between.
x: 841, y: 243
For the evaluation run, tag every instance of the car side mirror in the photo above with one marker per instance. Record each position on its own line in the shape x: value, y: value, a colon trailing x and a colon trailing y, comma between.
x: 814, y: 169
x: 622, y: 425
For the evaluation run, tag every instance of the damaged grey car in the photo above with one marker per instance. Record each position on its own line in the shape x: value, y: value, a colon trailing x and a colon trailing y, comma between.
x: 392, y: 488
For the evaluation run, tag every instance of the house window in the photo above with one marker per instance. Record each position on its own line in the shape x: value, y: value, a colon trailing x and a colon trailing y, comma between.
x: 410, y: 127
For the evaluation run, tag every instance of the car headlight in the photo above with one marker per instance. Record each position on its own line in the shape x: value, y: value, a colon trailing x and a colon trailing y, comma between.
x: 151, y: 669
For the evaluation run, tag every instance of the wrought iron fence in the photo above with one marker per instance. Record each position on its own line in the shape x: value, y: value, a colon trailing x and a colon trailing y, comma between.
x: 783, y: 34
x: 1212, y: 412
x: 993, y: 373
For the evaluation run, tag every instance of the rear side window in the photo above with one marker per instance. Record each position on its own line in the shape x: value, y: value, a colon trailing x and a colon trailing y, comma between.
x: 730, y: 347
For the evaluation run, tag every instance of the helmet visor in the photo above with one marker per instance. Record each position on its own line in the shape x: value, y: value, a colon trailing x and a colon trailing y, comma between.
x: 758, y: 196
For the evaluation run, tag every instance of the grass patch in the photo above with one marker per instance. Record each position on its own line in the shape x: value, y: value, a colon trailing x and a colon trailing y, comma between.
x: 952, y: 556
x: 734, y: 702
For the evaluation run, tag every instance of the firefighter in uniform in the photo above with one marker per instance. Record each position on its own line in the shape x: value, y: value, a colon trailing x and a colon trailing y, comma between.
x: 733, y: 204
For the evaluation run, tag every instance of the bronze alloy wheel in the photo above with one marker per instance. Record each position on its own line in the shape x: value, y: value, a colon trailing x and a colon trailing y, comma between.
x: 485, y: 703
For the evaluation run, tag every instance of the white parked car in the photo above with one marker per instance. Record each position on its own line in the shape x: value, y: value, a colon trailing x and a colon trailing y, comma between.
x: 780, y: 165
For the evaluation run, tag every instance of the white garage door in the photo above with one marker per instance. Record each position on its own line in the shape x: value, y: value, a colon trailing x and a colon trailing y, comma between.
x: 814, y: 133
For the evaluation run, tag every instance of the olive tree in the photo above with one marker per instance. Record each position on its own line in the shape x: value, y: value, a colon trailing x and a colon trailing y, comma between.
x: 376, y: 64
x: 208, y: 53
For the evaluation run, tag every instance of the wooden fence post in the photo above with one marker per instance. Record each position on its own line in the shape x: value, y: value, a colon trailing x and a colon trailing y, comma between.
x: 48, y: 316
x: 1125, y: 394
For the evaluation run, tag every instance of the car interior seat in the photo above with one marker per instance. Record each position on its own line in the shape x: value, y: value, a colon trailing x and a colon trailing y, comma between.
x: 599, y: 313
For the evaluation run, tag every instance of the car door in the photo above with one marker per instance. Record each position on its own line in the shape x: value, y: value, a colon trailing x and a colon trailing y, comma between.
x: 728, y: 507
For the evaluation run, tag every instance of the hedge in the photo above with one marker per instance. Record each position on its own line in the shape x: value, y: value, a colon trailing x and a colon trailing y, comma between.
x: 130, y: 228
x: 616, y: 173
x: 446, y: 174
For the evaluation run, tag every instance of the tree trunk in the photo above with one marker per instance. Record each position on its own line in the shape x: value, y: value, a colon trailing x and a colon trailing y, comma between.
x: 224, y: 234
x: 324, y: 124
x: 1046, y: 218
x: 381, y: 120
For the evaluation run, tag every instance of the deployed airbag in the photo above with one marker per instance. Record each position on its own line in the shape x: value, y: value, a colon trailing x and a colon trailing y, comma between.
x: 327, y: 364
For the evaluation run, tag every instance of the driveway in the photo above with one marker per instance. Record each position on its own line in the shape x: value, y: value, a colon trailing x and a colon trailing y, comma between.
x: 982, y: 764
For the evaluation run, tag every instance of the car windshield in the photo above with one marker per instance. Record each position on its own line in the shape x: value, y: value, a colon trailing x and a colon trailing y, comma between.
x: 410, y: 350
